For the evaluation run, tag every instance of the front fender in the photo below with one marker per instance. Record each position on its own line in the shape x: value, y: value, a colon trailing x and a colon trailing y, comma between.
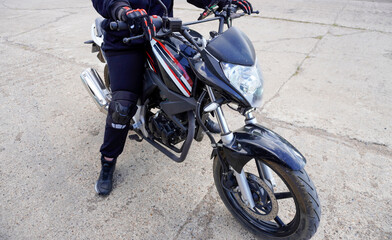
x: 255, y: 141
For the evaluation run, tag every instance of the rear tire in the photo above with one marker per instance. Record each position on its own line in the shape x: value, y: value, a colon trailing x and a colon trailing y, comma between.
x: 303, y: 193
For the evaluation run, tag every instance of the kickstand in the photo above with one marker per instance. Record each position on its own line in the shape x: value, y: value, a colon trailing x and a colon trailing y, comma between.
x: 135, y: 137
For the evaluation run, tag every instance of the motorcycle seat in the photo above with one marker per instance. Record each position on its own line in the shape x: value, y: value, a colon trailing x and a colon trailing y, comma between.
x: 98, y: 26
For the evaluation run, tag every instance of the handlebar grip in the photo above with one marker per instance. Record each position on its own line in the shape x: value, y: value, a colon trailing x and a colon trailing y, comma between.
x: 157, y: 21
x: 118, y: 25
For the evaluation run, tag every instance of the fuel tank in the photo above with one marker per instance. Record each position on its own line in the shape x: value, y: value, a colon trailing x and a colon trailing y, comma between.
x: 169, y: 58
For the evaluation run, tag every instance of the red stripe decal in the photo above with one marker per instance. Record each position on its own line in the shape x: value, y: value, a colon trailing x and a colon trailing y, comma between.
x: 151, y: 61
x: 179, y: 80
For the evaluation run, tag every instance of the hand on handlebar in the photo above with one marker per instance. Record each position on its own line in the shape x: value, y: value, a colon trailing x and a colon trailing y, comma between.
x: 243, y: 5
x: 139, y: 22
x: 219, y: 5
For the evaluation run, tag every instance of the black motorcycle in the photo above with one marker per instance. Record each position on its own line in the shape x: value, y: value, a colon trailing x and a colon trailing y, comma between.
x: 259, y: 176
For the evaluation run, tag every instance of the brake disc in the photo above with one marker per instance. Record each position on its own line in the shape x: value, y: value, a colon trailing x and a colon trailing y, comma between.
x: 266, y: 205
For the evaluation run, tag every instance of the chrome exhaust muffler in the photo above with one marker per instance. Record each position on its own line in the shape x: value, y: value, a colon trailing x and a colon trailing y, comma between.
x: 94, y: 85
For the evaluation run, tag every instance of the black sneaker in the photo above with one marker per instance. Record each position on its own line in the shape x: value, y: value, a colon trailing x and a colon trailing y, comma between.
x: 212, y: 126
x: 105, y: 181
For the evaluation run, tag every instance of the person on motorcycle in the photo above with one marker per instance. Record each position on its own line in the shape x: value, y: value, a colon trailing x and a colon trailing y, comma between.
x: 126, y: 68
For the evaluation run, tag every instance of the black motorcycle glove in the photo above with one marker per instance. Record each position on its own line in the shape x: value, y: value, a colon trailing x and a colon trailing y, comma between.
x: 117, y: 9
x: 138, y: 20
x: 242, y: 4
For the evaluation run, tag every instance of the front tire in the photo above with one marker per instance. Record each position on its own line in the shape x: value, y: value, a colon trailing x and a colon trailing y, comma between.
x: 303, y: 214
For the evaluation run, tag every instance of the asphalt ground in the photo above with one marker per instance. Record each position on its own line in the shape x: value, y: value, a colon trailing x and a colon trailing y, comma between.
x: 327, y: 67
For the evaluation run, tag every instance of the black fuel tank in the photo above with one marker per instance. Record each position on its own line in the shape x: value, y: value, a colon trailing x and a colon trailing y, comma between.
x: 172, y: 56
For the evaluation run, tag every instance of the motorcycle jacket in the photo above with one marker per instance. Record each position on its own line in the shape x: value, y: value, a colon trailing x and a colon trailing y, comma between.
x: 113, y: 39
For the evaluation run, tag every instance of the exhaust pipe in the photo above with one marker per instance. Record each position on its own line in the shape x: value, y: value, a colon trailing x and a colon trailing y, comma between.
x: 94, y: 85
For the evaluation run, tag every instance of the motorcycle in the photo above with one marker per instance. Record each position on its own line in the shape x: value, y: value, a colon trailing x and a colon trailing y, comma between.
x: 259, y: 176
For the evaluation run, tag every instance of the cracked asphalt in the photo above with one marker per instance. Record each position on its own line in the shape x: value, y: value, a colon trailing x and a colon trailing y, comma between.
x: 327, y: 67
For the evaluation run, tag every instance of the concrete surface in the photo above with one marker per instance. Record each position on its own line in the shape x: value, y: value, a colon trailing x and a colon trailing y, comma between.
x: 327, y: 67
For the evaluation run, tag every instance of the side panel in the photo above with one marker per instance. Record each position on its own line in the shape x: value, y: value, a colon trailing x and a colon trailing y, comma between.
x: 175, y: 103
x: 256, y: 141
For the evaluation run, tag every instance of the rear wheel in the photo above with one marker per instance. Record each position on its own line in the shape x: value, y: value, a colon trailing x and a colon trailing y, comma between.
x: 289, y: 210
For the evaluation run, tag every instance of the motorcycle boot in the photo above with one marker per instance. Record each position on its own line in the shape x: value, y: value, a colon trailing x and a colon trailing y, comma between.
x: 104, y: 184
x: 212, y: 126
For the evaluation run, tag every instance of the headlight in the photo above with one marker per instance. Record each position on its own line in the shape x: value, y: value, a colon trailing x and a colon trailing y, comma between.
x: 247, y: 80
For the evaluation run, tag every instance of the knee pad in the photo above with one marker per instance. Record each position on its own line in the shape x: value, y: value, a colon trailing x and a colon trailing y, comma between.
x: 121, y: 109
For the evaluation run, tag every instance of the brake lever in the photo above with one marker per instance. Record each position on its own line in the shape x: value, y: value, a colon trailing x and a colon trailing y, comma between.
x: 238, y: 15
x: 130, y: 39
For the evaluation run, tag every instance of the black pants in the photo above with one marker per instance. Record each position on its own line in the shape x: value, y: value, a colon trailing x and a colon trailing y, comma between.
x: 126, y: 71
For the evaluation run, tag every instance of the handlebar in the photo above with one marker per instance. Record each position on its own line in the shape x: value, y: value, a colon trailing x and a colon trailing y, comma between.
x: 120, y: 25
x: 173, y: 24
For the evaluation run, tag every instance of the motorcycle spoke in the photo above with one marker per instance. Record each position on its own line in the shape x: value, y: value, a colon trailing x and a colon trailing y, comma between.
x: 279, y: 222
x: 283, y: 195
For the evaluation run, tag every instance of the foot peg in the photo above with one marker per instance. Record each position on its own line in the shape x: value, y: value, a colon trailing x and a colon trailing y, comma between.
x: 135, y: 137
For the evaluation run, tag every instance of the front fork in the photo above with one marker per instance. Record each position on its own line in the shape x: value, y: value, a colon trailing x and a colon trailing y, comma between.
x: 227, y: 138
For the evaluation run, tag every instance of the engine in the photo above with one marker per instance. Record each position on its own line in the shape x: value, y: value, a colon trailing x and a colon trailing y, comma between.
x: 165, y: 130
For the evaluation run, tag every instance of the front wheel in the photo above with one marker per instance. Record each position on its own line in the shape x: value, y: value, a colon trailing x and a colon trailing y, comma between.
x: 288, y: 210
